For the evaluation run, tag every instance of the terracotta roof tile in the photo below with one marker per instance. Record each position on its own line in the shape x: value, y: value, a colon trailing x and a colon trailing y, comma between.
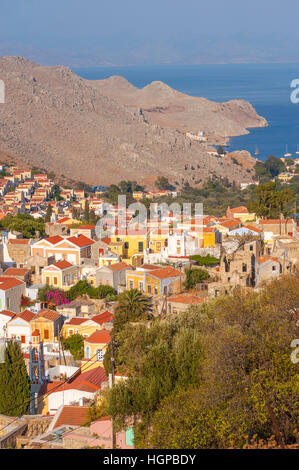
x: 7, y: 313
x: 164, y: 273
x: 48, y: 314
x: 9, y: 282
x: 99, y: 336
x: 104, y: 317
x: 54, y: 240
x: 26, y: 315
x: 81, y: 241
x: 63, y: 264
x: 72, y: 416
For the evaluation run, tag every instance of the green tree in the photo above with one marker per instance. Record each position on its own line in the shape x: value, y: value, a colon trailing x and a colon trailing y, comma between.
x: 74, y: 344
x: 134, y: 305
x: 25, y: 224
x: 14, y: 382
x: 48, y: 213
x: 86, y: 212
x: 162, y: 183
x: 274, y: 165
x: 268, y: 201
x: 195, y: 276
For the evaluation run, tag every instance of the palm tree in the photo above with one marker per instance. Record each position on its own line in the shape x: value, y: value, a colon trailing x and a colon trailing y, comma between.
x: 135, y: 305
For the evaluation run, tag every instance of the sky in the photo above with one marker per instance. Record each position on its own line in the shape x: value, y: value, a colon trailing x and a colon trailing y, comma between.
x: 77, y: 24
x: 41, y: 19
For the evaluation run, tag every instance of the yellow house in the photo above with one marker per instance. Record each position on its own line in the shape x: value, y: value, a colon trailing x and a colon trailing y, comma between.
x: 86, y: 326
x: 157, y: 240
x: 95, y: 347
x: 61, y: 275
x: 46, y: 326
x: 285, y: 177
x: 207, y: 238
x: 135, y: 242
x: 240, y: 213
x: 155, y: 280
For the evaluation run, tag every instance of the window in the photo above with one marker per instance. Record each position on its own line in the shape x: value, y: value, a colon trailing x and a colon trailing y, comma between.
x: 47, y: 280
x: 131, y: 284
x: 156, y: 291
x: 55, y: 281
x: 8, y: 302
x: 46, y: 334
x: 88, y: 352
x: 126, y: 245
x: 100, y: 355
x: 23, y: 339
x: 273, y: 268
x: 244, y: 268
x: 71, y: 332
x: 140, y: 247
x: 149, y: 289
x: 251, y: 248
x: 141, y: 285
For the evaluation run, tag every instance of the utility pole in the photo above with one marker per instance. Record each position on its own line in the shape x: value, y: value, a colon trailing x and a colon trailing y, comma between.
x: 112, y: 383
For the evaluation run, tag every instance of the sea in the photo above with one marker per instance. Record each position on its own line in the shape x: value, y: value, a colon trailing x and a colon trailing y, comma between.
x: 266, y: 86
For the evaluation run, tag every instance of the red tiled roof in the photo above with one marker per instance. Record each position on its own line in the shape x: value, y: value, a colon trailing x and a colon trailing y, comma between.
x: 164, y: 273
x: 118, y: 266
x: 63, y: 264
x: 81, y: 241
x: 106, y: 240
x: 54, y: 240
x: 72, y: 416
x: 240, y: 210
x: 263, y: 259
x: 18, y: 241
x: 15, y: 272
x: 104, y: 317
x: 99, y: 336
x: 61, y: 221
x: 7, y: 313
x: 77, y: 320
x: 9, y: 282
x: 231, y: 223
x: 150, y: 266
x: 48, y: 314
x: 86, y: 227
x: 254, y: 229
x: 89, y: 381
x: 275, y: 221
x: 26, y: 315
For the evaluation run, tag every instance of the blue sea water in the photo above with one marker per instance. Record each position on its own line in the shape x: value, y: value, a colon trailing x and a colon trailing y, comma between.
x: 265, y: 86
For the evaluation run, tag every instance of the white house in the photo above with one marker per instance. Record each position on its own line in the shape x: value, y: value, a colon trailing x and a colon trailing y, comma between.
x: 84, y: 385
x: 5, y: 316
x: 19, y: 328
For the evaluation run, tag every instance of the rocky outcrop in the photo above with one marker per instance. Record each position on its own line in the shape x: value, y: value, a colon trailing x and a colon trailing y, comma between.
x: 55, y: 120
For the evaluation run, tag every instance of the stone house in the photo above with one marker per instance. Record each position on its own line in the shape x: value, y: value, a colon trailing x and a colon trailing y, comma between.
x: 113, y: 275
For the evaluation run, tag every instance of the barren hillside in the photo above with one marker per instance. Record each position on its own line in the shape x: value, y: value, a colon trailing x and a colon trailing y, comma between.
x: 55, y: 120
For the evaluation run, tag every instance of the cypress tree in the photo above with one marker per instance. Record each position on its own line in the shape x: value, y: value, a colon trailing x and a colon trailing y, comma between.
x: 14, y: 382
x: 48, y: 213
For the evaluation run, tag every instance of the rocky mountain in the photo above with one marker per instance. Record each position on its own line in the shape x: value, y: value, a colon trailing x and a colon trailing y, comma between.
x: 94, y: 131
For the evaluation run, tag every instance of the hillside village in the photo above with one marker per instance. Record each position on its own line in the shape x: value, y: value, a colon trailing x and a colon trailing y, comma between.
x: 175, y: 261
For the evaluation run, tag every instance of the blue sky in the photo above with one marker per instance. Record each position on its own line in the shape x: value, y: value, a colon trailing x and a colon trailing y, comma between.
x: 94, y: 32
x: 40, y: 21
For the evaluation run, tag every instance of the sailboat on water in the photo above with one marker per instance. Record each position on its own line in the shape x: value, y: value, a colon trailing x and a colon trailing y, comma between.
x: 256, y: 151
x: 287, y: 154
x: 297, y: 150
